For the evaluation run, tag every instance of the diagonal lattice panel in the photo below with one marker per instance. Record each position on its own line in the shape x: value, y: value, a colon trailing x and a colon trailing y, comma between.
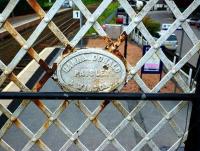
x: 111, y: 46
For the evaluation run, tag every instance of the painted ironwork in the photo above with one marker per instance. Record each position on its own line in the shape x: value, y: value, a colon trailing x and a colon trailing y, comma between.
x: 111, y: 47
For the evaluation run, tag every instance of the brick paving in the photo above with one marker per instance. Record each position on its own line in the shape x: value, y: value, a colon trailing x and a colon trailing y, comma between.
x: 134, y: 53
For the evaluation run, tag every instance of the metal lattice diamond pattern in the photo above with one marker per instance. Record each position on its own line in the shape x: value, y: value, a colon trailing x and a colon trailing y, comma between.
x: 111, y: 46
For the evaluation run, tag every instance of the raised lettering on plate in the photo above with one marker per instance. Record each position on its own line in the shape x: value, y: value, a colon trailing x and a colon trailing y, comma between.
x: 91, y: 70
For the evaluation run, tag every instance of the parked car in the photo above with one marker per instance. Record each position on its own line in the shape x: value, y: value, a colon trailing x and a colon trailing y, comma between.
x: 132, y: 3
x: 166, y: 26
x: 194, y: 21
x: 171, y: 43
x: 66, y: 4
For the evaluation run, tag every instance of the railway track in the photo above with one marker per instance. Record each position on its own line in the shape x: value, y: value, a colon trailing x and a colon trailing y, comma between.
x: 9, y: 47
x: 47, y: 39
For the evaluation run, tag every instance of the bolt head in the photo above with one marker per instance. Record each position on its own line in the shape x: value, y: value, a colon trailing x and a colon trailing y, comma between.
x: 46, y: 19
x: 156, y: 46
x: 137, y: 20
x: 25, y: 47
x: 167, y: 117
x: 33, y: 139
x: 7, y: 71
x: 91, y: 118
x: 173, y: 71
x: 13, y: 118
x: 133, y: 71
x: 110, y: 138
x: 147, y: 139
x: 72, y: 139
x: 91, y: 20
x: 51, y: 118
x: 129, y: 118
x: 182, y: 19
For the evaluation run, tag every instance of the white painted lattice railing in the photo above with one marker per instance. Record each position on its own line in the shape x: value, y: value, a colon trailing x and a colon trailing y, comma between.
x: 111, y: 46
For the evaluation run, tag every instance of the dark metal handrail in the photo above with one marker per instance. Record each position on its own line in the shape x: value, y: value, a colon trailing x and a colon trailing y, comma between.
x: 100, y: 96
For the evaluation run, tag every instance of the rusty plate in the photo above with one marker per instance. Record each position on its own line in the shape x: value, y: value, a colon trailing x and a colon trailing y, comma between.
x: 91, y: 70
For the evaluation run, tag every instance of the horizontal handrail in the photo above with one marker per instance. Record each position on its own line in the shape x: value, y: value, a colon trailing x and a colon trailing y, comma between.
x: 100, y: 96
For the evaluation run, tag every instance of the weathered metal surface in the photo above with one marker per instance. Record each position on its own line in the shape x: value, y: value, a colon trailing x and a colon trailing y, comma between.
x: 91, y: 70
x: 79, y: 75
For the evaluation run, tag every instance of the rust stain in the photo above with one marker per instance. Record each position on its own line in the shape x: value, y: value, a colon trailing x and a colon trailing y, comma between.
x: 68, y: 49
x: 44, y: 79
x: 95, y: 122
x: 32, y: 53
x: 102, y: 107
x: 44, y: 65
x: 39, y: 104
x: 75, y: 141
x: 108, y: 41
x: 121, y: 57
x: 40, y: 144
x: 17, y: 123
x: 36, y: 7
x: 65, y: 104
x: 112, y: 46
x: 46, y: 124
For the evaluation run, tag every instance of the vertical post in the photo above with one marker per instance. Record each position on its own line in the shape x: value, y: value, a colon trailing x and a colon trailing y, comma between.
x: 180, y: 51
x: 193, y: 140
x: 174, y: 61
x: 181, y: 46
x: 81, y: 24
x: 126, y: 38
x: 125, y: 46
x: 190, y: 76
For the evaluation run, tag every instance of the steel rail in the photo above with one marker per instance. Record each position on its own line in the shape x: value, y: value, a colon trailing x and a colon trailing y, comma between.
x: 49, y: 35
x: 100, y: 96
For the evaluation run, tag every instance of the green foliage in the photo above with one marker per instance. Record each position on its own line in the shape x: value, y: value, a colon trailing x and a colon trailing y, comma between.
x: 23, y: 7
x: 152, y: 25
x: 88, y: 2
x: 45, y: 3
x: 111, y: 8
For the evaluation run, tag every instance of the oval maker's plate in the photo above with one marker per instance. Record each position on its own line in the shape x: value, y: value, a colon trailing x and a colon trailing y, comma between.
x: 91, y: 70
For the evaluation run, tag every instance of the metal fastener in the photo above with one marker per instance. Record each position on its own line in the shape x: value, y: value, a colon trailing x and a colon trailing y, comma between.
x: 129, y: 118
x: 133, y: 71
x: 13, y: 118
x: 25, y: 47
x: 182, y: 19
x: 143, y: 96
x: 51, y: 118
x: 7, y: 71
x: 47, y: 20
x: 33, y: 139
x: 173, y: 71
x: 147, y: 139
x: 91, y: 20
x: 72, y: 139
x: 110, y: 138
x: 91, y: 118
x: 168, y: 117
x: 137, y: 20
x: 156, y: 46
